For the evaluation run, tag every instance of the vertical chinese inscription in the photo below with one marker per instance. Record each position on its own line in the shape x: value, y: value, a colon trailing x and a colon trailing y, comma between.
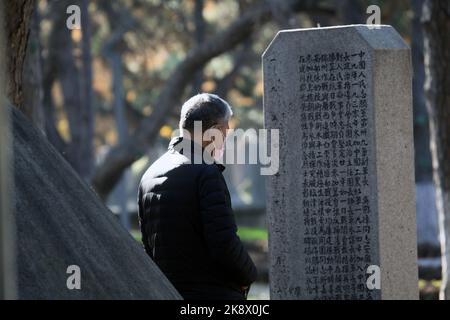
x: 341, y: 100
x: 338, y: 240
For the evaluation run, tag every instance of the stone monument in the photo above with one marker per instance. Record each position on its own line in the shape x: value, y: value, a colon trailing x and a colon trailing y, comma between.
x: 341, y: 209
x: 62, y: 227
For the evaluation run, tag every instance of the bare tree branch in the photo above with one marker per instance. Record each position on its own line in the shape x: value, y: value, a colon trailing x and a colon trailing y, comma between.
x: 240, y: 58
x: 123, y: 155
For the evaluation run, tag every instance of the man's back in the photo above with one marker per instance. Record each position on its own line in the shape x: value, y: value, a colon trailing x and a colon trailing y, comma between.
x: 188, y: 228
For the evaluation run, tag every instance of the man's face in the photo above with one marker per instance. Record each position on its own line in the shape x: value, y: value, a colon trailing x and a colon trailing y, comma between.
x: 216, y: 135
x: 219, y: 141
x: 223, y: 127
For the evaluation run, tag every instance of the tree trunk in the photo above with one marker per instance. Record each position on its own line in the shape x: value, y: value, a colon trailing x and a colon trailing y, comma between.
x: 436, y: 22
x: 32, y: 76
x: 282, y: 14
x: 17, y: 15
x: 240, y: 58
x: 76, y: 90
x: 427, y: 220
x: 423, y: 170
x: 119, y: 116
x: 351, y: 12
x: 199, y: 37
x: 87, y: 112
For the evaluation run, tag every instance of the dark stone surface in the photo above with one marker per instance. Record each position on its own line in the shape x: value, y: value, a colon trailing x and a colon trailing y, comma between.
x: 62, y: 222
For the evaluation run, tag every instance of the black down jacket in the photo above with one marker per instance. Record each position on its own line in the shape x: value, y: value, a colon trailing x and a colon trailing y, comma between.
x: 188, y: 227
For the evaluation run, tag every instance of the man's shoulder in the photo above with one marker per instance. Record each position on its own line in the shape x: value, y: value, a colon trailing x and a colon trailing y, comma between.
x: 174, y: 161
x: 212, y: 168
x: 212, y: 174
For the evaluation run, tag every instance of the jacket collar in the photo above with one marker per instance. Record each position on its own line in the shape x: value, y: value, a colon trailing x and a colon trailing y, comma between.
x: 181, y: 145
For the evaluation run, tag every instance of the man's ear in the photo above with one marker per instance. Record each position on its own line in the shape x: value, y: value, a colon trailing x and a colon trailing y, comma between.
x: 213, y: 134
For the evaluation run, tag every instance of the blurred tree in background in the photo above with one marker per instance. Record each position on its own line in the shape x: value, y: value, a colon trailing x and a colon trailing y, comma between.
x: 436, y: 22
x: 115, y: 86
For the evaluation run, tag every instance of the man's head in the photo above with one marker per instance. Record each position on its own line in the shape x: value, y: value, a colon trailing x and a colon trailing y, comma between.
x: 211, y: 111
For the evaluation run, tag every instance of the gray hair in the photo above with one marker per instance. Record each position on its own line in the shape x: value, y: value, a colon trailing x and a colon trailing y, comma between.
x: 208, y: 108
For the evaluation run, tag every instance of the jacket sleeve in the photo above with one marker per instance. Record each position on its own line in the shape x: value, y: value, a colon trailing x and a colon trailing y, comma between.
x: 219, y: 229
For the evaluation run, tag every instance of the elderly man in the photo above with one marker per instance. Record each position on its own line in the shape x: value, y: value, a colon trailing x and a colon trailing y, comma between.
x: 185, y: 213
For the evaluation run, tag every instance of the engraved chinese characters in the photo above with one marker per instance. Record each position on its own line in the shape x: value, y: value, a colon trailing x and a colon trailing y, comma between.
x: 335, y: 163
x: 340, y: 98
